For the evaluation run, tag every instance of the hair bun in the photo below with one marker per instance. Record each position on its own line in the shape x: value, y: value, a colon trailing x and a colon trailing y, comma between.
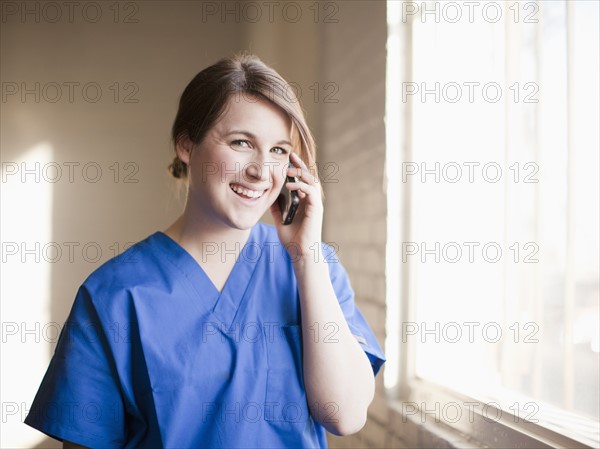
x: 178, y: 168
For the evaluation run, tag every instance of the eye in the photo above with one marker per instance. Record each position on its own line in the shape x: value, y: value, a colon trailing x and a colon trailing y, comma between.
x: 279, y: 150
x: 241, y: 143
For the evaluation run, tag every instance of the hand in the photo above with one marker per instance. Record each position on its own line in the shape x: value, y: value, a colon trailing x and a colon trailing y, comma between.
x: 300, y: 237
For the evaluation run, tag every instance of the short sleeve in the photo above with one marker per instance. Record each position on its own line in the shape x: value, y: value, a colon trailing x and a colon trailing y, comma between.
x: 79, y: 399
x: 355, y: 319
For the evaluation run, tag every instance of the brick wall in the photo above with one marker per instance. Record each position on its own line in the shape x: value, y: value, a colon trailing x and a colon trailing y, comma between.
x: 351, y: 134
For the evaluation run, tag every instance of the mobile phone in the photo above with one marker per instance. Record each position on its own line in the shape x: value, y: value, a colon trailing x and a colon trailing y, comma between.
x: 288, y: 201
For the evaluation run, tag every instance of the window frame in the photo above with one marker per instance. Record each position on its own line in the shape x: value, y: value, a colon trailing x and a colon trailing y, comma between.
x: 474, y: 426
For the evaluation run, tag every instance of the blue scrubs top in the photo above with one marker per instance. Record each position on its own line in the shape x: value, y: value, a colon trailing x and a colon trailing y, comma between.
x: 153, y: 355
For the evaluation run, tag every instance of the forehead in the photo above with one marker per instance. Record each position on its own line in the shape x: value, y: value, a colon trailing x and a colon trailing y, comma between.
x: 258, y: 116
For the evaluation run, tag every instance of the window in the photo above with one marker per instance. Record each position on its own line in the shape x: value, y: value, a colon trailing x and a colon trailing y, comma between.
x: 493, y: 188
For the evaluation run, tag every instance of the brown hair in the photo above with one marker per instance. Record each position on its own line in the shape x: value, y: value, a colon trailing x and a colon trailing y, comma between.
x: 204, y: 100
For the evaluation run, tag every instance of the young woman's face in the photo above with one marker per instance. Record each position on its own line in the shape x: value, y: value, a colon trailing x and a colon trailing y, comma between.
x: 239, y: 168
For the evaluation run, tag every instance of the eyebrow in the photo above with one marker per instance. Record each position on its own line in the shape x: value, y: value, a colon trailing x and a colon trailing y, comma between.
x: 252, y: 136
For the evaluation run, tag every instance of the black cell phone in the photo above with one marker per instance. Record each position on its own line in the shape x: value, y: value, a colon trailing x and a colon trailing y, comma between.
x: 288, y: 201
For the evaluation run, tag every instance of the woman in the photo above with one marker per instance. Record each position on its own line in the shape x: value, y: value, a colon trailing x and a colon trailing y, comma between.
x: 221, y: 331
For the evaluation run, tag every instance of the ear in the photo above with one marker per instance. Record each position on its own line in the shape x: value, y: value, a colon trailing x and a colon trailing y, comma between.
x: 184, y: 149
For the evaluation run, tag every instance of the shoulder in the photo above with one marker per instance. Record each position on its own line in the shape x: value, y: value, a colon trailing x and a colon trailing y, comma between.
x: 137, y: 265
x: 266, y: 235
x: 265, y: 232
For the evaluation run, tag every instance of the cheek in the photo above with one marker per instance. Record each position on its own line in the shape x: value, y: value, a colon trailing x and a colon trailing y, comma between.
x: 230, y: 165
x: 279, y: 176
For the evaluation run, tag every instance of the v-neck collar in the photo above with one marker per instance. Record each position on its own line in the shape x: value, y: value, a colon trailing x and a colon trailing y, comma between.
x: 223, y: 304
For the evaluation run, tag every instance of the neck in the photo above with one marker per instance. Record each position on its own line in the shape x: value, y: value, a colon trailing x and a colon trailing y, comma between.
x: 194, y: 232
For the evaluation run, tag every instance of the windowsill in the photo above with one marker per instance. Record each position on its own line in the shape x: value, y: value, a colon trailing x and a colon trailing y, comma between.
x: 471, y: 427
x: 416, y: 433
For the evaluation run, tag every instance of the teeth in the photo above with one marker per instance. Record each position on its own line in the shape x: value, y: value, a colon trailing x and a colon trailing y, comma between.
x: 250, y: 193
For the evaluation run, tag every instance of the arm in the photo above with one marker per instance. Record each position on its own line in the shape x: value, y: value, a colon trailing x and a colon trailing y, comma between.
x: 338, y: 376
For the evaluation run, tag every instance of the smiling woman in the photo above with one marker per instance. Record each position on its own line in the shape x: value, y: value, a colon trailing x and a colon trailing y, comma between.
x: 224, y: 331
x: 253, y: 164
x: 232, y: 80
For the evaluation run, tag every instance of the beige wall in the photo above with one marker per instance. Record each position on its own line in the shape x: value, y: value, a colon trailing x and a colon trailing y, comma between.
x: 158, y: 55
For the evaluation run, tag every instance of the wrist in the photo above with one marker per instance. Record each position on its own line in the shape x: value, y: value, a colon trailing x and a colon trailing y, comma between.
x: 305, y: 253
x: 309, y: 263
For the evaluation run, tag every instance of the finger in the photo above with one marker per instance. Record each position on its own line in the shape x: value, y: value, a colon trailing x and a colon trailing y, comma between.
x: 297, y: 161
x: 301, y: 187
x: 296, y: 172
x: 301, y: 170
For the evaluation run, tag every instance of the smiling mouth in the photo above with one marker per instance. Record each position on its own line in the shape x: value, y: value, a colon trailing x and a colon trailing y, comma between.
x: 246, y: 193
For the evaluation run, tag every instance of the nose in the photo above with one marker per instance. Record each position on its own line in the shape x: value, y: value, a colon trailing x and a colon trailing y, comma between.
x: 259, y: 169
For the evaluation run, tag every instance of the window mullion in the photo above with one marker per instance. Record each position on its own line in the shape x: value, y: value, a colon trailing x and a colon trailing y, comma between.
x: 569, y: 297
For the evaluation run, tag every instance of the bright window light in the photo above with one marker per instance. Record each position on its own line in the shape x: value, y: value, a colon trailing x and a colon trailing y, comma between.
x: 502, y: 256
x: 25, y: 290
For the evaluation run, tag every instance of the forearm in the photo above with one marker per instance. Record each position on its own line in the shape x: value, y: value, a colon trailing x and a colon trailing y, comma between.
x: 338, y: 377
